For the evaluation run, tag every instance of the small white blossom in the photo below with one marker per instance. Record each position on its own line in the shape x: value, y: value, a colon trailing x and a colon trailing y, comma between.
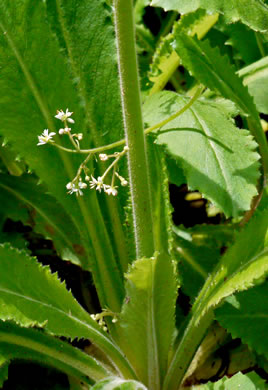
x: 45, y: 137
x: 97, y: 183
x: 82, y: 185
x: 80, y: 136
x: 93, y: 316
x: 66, y: 130
x: 110, y: 190
x: 114, y: 320
x: 76, y: 189
x: 64, y: 116
x: 124, y: 182
x: 103, y: 157
x: 87, y: 178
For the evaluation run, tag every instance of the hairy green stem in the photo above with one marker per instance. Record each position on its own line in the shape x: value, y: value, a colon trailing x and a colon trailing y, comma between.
x: 133, y: 124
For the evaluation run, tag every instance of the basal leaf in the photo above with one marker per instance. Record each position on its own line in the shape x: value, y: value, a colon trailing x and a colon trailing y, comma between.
x: 255, y: 76
x: 253, y: 13
x: 148, y: 315
x: 242, y: 265
x: 217, y: 159
x: 85, y: 34
x: 36, y: 80
x: 250, y: 381
x: 245, y: 315
x: 114, y: 383
x: 33, y: 344
x: 45, y: 215
x: 30, y: 295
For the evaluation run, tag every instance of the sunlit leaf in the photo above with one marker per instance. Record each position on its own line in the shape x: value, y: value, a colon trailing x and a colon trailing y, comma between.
x: 253, y: 13
x: 217, y: 159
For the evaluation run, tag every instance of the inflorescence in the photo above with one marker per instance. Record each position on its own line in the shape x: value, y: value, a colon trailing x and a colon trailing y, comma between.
x: 78, y: 184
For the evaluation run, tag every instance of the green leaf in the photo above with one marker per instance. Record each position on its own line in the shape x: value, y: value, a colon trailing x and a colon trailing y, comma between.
x: 245, y: 315
x: 216, y: 72
x: 217, y: 159
x: 45, y: 78
x: 47, y: 303
x: 45, y: 215
x: 33, y: 344
x: 148, y: 316
x: 250, y: 381
x: 118, y: 384
x: 242, y: 265
x: 253, y: 13
x: 86, y: 35
x: 4, y: 363
x: 255, y: 76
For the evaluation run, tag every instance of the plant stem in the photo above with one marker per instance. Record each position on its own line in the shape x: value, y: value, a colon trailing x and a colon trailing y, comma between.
x: 133, y: 124
x: 122, y: 142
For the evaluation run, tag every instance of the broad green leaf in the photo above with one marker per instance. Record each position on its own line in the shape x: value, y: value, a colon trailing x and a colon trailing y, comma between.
x: 216, y: 72
x: 4, y: 363
x: 146, y: 323
x: 114, y: 383
x: 255, y: 76
x: 217, y: 159
x: 45, y: 78
x: 245, y: 315
x: 250, y: 381
x: 45, y: 215
x: 253, y: 13
x: 33, y: 344
x: 30, y: 295
x: 241, y: 267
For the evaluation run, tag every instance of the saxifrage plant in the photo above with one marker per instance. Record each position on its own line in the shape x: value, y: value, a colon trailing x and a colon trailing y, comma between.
x: 81, y: 54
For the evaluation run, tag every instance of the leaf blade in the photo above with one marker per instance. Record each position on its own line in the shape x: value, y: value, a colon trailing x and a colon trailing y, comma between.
x: 34, y: 304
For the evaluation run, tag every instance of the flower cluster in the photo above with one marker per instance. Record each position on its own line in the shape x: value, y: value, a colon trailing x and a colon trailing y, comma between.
x: 99, y: 184
x: 100, y: 318
x: 77, y: 185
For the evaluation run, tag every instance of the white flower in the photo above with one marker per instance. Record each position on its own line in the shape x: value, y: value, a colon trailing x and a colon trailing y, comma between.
x: 80, y: 136
x: 64, y: 116
x: 124, y: 182
x: 103, y: 157
x: 66, y: 130
x: 82, y: 185
x: 45, y: 137
x: 111, y: 190
x: 97, y: 183
x: 76, y: 189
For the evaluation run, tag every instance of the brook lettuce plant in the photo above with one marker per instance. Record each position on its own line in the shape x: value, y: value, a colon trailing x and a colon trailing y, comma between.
x: 128, y: 137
